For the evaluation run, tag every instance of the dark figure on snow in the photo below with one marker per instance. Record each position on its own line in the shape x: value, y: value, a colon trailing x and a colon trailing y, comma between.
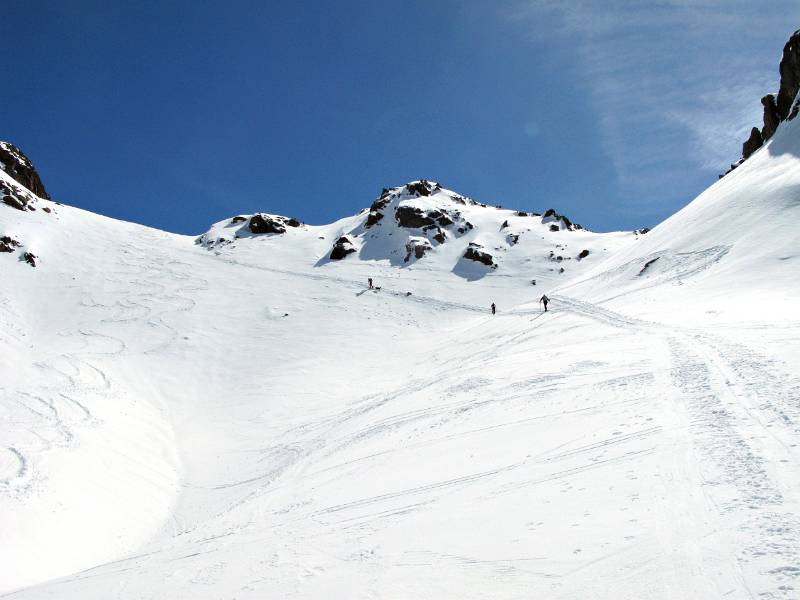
x: 494, y: 308
x: 369, y: 281
x: 544, y: 300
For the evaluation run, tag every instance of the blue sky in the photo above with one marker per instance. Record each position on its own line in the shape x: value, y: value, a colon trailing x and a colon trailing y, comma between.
x: 178, y: 114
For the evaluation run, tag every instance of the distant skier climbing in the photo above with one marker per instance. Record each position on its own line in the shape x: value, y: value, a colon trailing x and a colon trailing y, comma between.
x: 494, y: 308
x: 544, y: 300
x: 369, y: 281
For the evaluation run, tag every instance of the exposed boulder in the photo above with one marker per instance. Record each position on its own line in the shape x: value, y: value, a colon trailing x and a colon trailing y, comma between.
x: 753, y: 143
x: 440, y: 237
x: 292, y: 222
x: 555, y: 227
x: 417, y: 248
x: 261, y: 223
x: 504, y: 225
x: 641, y: 231
x: 583, y: 254
x: 342, y: 248
x: 14, y: 202
x: 238, y: 219
x: 14, y: 162
x: 475, y: 252
x: 29, y: 258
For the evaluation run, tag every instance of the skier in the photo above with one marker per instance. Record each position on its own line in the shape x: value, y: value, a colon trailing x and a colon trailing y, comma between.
x: 544, y: 300
x: 494, y: 308
x: 369, y: 281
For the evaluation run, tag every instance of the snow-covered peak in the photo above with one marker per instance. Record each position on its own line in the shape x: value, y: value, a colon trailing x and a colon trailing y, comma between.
x: 424, y: 225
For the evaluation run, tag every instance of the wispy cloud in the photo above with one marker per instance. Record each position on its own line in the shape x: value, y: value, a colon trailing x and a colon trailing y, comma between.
x: 675, y: 84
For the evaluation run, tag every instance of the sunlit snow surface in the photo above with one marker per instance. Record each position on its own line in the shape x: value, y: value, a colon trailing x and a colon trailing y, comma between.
x: 252, y: 422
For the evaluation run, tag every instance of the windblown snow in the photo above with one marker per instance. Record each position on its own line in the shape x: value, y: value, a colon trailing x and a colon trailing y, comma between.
x: 240, y: 416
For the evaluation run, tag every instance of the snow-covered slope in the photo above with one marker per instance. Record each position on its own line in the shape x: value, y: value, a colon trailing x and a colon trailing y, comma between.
x: 239, y: 416
x: 733, y: 253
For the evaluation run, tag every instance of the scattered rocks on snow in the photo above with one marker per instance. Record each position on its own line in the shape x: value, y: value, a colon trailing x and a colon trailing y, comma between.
x: 641, y: 231
x: 342, y: 248
x: 8, y: 244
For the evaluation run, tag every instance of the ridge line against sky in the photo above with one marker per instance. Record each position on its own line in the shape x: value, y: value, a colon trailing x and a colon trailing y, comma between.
x: 176, y: 116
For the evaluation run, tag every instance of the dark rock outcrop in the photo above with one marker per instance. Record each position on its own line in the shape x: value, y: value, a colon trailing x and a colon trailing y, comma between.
x: 265, y: 224
x: 238, y: 219
x: 771, y: 118
x: 29, y: 258
x: 14, y: 162
x: 417, y: 248
x: 14, y: 202
x: 8, y: 244
x: 342, y: 248
x: 790, y: 78
x: 782, y: 108
x: 753, y: 143
x: 373, y: 219
x: 476, y: 253
x: 412, y: 218
x: 583, y: 254
x: 423, y: 187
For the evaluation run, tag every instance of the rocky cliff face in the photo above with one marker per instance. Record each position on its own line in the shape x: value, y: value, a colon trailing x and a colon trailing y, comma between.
x: 784, y: 107
x: 14, y: 162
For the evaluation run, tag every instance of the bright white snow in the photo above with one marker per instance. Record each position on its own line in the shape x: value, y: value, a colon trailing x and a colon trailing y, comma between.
x: 249, y: 421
